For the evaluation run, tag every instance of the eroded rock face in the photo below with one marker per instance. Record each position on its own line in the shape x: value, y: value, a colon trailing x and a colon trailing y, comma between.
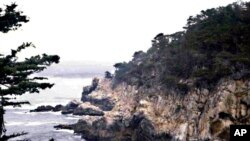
x: 123, y: 122
x: 88, y: 89
x: 88, y: 109
x: 152, y: 115
x: 223, y: 107
x: 81, y: 108
x: 99, y: 98
x: 104, y: 103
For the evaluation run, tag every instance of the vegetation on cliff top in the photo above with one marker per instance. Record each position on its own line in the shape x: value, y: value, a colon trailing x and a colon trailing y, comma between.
x: 214, y: 44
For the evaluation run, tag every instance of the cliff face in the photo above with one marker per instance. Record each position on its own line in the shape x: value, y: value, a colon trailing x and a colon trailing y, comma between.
x: 205, y: 115
x: 189, y: 85
x: 155, y: 115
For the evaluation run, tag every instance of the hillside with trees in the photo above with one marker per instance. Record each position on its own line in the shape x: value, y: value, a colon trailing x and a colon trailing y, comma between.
x: 214, y: 44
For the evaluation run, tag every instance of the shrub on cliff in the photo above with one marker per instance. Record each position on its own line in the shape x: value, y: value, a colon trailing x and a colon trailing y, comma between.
x: 108, y: 75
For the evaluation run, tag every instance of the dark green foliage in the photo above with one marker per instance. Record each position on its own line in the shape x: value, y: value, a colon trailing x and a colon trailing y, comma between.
x: 221, y: 37
x: 138, y: 54
x: 119, y: 65
x: 108, y: 75
x: 122, y: 70
x: 10, y: 19
x: 15, y: 75
x: 214, y: 44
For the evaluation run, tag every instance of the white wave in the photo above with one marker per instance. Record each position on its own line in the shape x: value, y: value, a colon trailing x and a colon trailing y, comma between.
x: 56, y: 113
x: 73, y: 117
x: 28, y: 107
x: 38, y: 113
x: 14, y: 123
x: 20, y: 113
x: 45, y: 104
x: 65, y: 130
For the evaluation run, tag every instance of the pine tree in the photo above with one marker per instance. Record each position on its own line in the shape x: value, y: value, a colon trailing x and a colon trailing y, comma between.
x: 15, y: 75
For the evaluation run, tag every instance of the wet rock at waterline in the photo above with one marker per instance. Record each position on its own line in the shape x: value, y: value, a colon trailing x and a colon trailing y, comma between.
x: 47, y: 108
x: 70, y: 107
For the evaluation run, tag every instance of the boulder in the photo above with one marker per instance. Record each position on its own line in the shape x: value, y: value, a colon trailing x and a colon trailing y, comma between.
x: 43, y: 108
x: 73, y: 104
x: 63, y: 126
x: 70, y: 107
x: 57, y: 108
x: 81, y: 126
x: 48, y: 108
x: 67, y: 111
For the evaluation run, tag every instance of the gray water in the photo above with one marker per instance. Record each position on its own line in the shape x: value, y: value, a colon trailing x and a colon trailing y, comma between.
x: 40, y: 125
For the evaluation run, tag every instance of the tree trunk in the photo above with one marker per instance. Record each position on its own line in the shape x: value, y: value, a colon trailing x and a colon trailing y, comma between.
x: 2, y: 126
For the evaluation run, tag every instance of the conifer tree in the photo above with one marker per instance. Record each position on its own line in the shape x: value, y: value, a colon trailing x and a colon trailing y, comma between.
x: 15, y: 75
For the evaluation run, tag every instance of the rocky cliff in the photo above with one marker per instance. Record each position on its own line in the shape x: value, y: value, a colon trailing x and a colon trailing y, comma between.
x: 199, y: 115
x: 190, y: 85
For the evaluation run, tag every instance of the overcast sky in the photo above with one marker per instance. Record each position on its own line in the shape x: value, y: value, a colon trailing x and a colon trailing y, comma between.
x: 99, y: 30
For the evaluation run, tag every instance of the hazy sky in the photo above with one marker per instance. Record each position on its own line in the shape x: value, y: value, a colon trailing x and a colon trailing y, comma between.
x: 99, y: 30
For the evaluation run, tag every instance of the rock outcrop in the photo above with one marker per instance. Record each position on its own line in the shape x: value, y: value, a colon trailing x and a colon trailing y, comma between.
x: 48, y: 108
x: 70, y: 107
x: 88, y: 89
x: 140, y: 114
x: 101, y: 100
x: 88, y: 109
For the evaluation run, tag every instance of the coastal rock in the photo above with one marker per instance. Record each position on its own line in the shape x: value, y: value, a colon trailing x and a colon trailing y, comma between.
x: 200, y: 115
x: 88, y: 89
x: 58, y: 108
x: 98, y: 97
x: 112, y: 129
x: 43, y: 108
x: 88, y: 109
x: 70, y: 107
x: 48, y: 108
x: 63, y: 126
x: 105, y: 103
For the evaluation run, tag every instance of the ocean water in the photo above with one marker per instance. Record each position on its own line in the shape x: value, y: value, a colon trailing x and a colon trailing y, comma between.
x: 39, y: 125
